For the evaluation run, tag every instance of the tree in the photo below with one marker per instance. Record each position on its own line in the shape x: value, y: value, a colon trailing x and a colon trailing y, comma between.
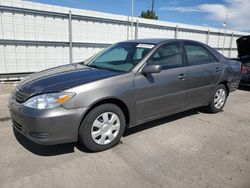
x: 149, y: 14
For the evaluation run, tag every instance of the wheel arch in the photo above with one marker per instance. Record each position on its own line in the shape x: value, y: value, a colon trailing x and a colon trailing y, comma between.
x: 114, y: 101
x: 225, y: 83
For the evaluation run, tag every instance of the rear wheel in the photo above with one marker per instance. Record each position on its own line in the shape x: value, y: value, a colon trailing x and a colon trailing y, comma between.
x: 102, y: 128
x: 218, y: 99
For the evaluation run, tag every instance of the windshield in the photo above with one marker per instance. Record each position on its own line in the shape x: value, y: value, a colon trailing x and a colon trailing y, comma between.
x: 120, y: 57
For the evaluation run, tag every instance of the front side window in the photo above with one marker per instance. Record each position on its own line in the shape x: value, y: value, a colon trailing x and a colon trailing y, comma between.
x: 198, y: 55
x: 120, y: 57
x: 168, y: 56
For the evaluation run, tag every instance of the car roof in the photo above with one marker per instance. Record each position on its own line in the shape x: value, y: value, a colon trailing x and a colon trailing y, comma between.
x: 149, y: 40
x: 156, y: 41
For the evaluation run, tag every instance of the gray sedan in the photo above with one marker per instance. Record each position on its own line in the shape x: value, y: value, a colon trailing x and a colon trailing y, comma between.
x: 125, y: 85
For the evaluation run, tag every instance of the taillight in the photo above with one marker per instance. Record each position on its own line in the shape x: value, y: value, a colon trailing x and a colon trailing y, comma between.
x: 242, y: 68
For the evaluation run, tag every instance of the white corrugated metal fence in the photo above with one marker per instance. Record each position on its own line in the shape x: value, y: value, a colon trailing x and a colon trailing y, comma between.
x: 36, y: 36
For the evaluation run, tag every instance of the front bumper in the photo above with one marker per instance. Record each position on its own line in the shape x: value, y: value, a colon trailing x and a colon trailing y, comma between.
x: 47, y: 127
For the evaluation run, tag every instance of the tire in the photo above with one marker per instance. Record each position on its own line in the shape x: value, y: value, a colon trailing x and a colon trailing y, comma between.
x: 218, y: 99
x: 102, y: 128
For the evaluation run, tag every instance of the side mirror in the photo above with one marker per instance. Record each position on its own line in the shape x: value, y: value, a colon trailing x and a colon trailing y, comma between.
x: 148, y: 69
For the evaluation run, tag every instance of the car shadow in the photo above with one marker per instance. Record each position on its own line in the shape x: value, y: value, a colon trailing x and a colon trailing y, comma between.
x: 47, y: 150
x: 60, y: 149
x: 161, y: 121
x: 244, y: 88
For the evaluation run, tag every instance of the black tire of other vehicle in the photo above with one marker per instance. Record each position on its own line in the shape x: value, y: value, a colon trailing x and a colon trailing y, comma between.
x: 211, y: 107
x: 85, y: 137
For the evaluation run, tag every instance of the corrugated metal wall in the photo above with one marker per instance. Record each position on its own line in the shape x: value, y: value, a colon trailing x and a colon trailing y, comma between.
x: 36, y: 36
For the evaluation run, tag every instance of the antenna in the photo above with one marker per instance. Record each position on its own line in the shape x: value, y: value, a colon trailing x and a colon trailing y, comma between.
x: 225, y: 31
x: 153, y: 4
x: 132, y: 18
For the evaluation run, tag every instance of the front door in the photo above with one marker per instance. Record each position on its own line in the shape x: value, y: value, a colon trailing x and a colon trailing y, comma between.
x: 165, y: 92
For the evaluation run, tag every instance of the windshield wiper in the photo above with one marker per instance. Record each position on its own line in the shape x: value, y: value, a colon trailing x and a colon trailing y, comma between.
x: 92, y: 66
x: 103, y: 68
x: 82, y: 62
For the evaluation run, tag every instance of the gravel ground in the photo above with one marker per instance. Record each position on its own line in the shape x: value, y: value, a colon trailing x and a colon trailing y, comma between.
x: 190, y: 149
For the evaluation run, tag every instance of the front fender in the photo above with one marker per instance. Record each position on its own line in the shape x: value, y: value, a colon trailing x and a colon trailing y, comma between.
x: 119, y: 87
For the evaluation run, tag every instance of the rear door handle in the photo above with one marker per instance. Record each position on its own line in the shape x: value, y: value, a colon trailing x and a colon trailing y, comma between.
x: 218, y: 69
x: 182, y: 77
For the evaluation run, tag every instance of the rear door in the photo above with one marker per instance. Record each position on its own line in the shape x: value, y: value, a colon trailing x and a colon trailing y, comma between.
x: 165, y: 92
x: 204, y: 70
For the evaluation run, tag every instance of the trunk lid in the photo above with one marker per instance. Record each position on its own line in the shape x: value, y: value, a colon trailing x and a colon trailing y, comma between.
x: 243, y: 46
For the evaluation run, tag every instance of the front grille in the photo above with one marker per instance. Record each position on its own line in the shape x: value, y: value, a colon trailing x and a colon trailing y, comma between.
x: 20, y: 96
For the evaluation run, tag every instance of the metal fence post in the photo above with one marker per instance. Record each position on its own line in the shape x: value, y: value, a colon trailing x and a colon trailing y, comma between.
x: 4, y: 46
x: 5, y: 58
x: 208, y: 34
x: 70, y: 38
x: 176, y: 32
x: 128, y: 26
x: 136, y: 29
x: 218, y: 42
x: 230, y: 45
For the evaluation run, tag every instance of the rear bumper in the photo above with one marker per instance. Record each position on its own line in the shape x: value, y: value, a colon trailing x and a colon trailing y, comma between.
x: 244, y: 83
x: 47, y: 127
x: 245, y: 80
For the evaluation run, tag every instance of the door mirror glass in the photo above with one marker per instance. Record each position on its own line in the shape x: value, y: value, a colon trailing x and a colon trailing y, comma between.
x: 148, y: 69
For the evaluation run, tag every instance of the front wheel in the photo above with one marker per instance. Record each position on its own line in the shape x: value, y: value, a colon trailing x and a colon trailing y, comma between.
x: 102, y: 128
x: 218, y: 99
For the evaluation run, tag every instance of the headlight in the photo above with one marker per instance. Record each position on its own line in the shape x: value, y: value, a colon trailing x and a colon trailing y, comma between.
x: 48, y: 101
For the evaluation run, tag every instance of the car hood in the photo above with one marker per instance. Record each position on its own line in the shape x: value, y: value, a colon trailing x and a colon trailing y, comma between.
x: 243, y: 46
x: 61, y: 78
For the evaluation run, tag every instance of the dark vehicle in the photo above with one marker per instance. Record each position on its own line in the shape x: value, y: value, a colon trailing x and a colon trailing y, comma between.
x: 127, y: 84
x: 243, y: 46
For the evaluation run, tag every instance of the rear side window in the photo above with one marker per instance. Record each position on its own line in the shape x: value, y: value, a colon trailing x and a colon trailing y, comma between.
x: 198, y: 55
x: 169, y: 56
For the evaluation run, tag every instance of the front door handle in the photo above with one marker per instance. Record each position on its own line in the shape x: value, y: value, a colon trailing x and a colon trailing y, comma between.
x: 182, y: 77
x: 218, y: 69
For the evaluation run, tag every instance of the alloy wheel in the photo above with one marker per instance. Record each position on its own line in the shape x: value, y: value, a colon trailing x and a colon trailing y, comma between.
x: 219, y: 98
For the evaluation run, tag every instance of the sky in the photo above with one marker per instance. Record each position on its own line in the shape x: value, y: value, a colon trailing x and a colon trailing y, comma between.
x: 210, y: 13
